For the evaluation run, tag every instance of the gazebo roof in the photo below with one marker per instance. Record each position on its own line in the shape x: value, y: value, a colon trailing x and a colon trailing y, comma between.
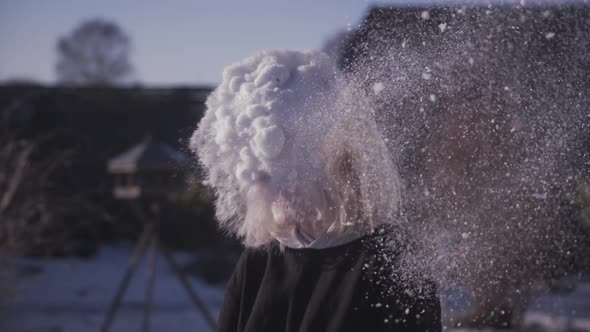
x: 148, y: 155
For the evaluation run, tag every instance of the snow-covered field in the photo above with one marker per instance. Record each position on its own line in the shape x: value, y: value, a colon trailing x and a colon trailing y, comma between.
x: 73, y: 294
x: 560, y: 311
x: 564, y: 310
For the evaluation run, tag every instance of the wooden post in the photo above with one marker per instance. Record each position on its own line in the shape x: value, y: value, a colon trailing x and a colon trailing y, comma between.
x: 140, y: 249
x: 187, y: 285
x: 153, y: 260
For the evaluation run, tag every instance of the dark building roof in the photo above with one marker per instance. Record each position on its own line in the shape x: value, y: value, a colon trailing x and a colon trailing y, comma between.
x: 148, y: 155
x: 544, y: 31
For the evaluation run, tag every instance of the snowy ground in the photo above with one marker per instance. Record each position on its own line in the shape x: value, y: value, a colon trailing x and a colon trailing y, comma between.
x: 564, y: 310
x: 62, y: 295
x: 73, y: 294
x: 560, y: 311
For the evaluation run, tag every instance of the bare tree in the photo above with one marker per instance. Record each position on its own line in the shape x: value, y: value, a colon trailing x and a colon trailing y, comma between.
x: 95, y: 53
x: 34, y: 216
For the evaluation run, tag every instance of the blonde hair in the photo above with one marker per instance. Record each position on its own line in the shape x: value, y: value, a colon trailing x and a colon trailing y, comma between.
x: 364, y: 181
x: 360, y: 190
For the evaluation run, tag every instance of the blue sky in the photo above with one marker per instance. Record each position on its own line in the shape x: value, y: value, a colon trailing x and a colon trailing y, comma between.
x: 174, y: 41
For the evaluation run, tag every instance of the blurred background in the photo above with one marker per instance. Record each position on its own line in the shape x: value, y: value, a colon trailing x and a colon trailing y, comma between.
x: 98, y: 101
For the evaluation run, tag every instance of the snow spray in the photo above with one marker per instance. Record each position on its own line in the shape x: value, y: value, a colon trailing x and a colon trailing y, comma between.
x: 486, y: 112
x: 473, y: 117
x: 292, y: 153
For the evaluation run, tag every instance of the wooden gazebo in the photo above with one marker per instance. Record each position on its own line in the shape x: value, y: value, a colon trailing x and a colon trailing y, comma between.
x: 146, y: 175
x: 149, y: 169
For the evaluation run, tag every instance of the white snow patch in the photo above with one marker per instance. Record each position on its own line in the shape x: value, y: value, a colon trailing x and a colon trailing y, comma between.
x: 74, y: 294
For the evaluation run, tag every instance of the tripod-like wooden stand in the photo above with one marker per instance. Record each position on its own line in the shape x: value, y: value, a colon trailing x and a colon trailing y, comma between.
x: 149, y: 239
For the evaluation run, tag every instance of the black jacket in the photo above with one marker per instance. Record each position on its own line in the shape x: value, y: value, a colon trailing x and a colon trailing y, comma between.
x: 345, y: 288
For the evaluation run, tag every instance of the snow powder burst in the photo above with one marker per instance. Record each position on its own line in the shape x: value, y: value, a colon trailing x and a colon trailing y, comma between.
x: 272, y: 141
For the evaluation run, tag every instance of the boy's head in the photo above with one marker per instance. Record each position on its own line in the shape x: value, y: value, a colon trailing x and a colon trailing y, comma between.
x: 293, y: 153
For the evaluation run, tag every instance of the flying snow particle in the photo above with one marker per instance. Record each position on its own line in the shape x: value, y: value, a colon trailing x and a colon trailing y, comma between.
x: 425, y: 15
x: 269, y: 142
x: 540, y: 196
x: 276, y: 75
x: 442, y: 27
x: 550, y: 35
x: 465, y: 235
x: 432, y: 98
x: 378, y: 87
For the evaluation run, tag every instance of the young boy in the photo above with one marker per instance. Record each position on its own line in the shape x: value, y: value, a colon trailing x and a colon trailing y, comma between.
x: 303, y: 177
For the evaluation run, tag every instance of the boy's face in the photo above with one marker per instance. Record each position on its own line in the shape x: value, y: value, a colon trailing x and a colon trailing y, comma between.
x: 304, y: 205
